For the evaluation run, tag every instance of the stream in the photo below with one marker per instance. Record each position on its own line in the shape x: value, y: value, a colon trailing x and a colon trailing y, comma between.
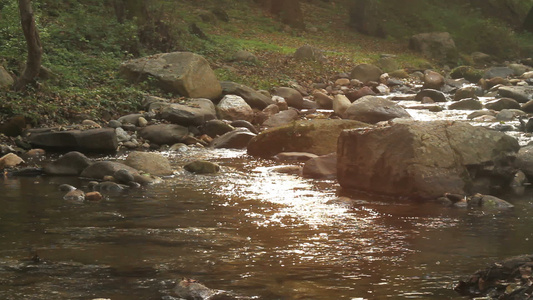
x: 250, y: 230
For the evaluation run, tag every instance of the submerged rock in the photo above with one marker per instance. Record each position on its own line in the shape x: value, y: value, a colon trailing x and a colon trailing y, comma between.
x: 202, y: 167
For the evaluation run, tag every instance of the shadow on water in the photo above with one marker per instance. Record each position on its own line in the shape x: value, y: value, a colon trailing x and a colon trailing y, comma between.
x: 251, y: 230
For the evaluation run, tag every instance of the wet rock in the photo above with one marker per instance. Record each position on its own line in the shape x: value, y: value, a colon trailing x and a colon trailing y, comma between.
x: 433, y: 80
x: 340, y: 105
x: 10, y: 160
x: 69, y: 164
x: 521, y: 94
x: 498, y: 72
x: 281, y: 118
x: 291, y: 96
x: 518, y: 185
x: 244, y: 124
x: 466, y: 104
x: 422, y: 159
x: 528, y: 107
x: 321, y: 167
x: 509, y: 279
x: 92, y: 140
x: 123, y: 176
x: 236, y: 139
x: 488, y: 202
x: 370, y: 109
x: 214, y: 128
x: 366, y: 73
x: 467, y: 72
x: 194, y: 112
x: 75, y: 196
x: 314, y: 136
x: 481, y: 113
x: 466, y: 92
x: 164, y: 134
x: 524, y: 161
x: 191, y: 289
x: 202, y: 167
x: 100, y: 169
x: 509, y: 114
x: 149, y: 162
x: 179, y: 147
x: 66, y: 188
x: 109, y: 187
x: 502, y: 103
x: 233, y: 107
x: 93, y: 196
x: 294, y: 156
x: 357, y: 94
x: 254, y: 98
x: 185, y: 73
x: 436, y: 96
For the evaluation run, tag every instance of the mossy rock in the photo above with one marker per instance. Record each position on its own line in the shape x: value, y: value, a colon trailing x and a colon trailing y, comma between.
x: 467, y: 72
x: 313, y: 136
x: 202, y: 167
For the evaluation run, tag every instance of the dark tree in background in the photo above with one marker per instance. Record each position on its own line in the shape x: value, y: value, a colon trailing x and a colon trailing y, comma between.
x: 35, y: 49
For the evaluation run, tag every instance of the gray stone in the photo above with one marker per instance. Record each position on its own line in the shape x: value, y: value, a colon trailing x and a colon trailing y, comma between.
x: 122, y: 135
x: 524, y: 161
x: 466, y: 104
x: 340, y: 105
x: 164, y: 134
x: 366, y: 73
x: 254, y: 98
x: 422, y: 159
x: 291, y: 96
x: 185, y: 73
x: 502, y: 103
x: 309, y: 53
x: 466, y: 92
x: 281, y: 118
x: 233, y: 107
x: 236, y: 139
x: 321, y: 167
x: 244, y: 124
x: 69, y: 164
x: 323, y: 101
x: 194, y: 112
x: 92, y: 140
x: 509, y: 114
x: 521, y: 94
x: 149, y: 162
x: 371, y: 109
x: 202, y: 167
x: 216, y: 127
x: 433, y: 80
x: 498, y: 72
x: 123, y: 176
x: 436, y: 96
x: 130, y: 119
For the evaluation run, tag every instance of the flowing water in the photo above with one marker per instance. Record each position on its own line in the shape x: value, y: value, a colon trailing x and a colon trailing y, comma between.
x: 251, y: 230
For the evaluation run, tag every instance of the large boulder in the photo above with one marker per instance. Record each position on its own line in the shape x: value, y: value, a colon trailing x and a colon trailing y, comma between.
x: 366, y: 73
x: 193, y: 112
x: 254, y: 98
x: 149, y: 162
x: 435, y: 45
x: 424, y: 160
x: 371, y: 109
x: 521, y: 94
x: 69, y: 164
x: 314, y: 136
x: 233, y: 107
x: 92, y: 140
x: 433, y: 80
x: 164, y: 134
x: 291, y: 96
x: 236, y: 139
x: 281, y: 118
x: 185, y: 73
x: 340, y: 104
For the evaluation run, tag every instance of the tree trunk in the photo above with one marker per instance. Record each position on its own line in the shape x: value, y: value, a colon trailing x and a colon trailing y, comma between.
x: 35, y: 49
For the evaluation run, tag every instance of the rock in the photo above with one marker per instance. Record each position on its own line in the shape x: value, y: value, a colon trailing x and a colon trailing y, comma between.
x: 509, y: 114
x: 91, y: 124
x: 281, y: 118
x: 465, y: 92
x: 466, y: 104
x: 122, y: 136
x: 521, y: 94
x: 164, y: 134
x: 100, y: 169
x: 467, y: 72
x: 509, y: 279
x: 291, y: 96
x: 202, y: 167
x: 481, y: 59
x: 321, y: 167
x: 216, y: 127
x: 114, y: 124
x: 502, y: 103
x: 360, y: 93
x: 435, y: 45
x: 370, y: 109
x: 342, y: 82
x: 149, y: 162
x: 185, y: 73
x: 488, y: 202
x: 366, y: 73
x: 191, y: 289
x: 519, y: 69
x: 294, y: 156
x: 10, y: 160
x: 69, y: 164
x: 503, y: 72
x: 5, y: 79
x: 246, y: 56
x: 528, y: 107
x: 244, y: 124
x: 309, y: 53
x: 194, y: 112
x: 422, y: 159
x: 252, y: 97
x: 436, y: 96
x: 233, y: 107
x: 66, y: 188
x: 340, y: 105
x: 433, y: 80
x: 481, y: 113
x: 110, y: 187
x: 518, y: 185
x: 324, y: 101
x: 92, y: 140
x: 388, y: 64
x: 123, y: 176
x: 93, y: 196
x: 130, y: 119
x: 524, y: 161
x: 75, y: 196
x: 236, y: 139
x: 313, y: 136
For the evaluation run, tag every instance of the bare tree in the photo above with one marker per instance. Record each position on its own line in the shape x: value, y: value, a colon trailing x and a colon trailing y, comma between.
x: 35, y: 49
